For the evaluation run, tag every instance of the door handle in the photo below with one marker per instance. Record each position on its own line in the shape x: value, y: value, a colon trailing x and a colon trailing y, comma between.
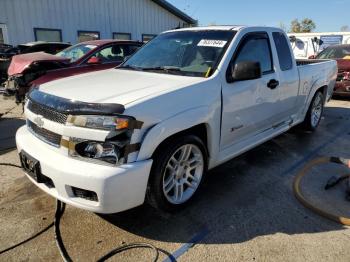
x: 273, y: 83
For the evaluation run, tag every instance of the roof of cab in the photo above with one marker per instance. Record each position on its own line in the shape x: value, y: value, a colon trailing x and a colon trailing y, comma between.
x: 224, y: 28
x: 214, y: 27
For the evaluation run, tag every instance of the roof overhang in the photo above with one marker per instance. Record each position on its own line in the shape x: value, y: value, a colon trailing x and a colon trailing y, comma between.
x: 175, y: 11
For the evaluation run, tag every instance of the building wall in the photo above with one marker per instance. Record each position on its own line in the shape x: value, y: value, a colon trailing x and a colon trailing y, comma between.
x: 106, y: 16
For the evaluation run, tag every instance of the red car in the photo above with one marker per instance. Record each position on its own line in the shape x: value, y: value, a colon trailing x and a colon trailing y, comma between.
x: 341, y: 53
x: 7, y: 52
x: 37, y: 68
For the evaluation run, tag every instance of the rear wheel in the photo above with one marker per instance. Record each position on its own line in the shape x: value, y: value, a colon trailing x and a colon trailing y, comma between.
x: 177, y: 171
x: 314, y: 114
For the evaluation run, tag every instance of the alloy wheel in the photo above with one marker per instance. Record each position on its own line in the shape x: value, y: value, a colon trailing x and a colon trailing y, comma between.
x: 183, y: 173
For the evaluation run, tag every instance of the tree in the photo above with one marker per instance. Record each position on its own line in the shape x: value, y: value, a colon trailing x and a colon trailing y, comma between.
x: 295, y: 26
x: 305, y: 26
x: 345, y: 28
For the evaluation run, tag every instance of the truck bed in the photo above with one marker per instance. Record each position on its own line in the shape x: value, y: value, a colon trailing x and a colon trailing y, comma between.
x: 315, y: 73
x: 302, y: 62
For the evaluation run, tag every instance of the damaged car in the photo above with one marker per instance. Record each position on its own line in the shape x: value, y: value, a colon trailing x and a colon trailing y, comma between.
x: 33, y: 69
x: 341, y: 53
x: 7, y: 52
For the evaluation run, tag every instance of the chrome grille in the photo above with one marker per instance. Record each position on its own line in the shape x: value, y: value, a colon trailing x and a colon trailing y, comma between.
x: 47, y: 112
x: 44, y: 134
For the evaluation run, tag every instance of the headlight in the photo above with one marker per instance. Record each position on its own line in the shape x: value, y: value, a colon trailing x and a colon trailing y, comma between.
x: 346, y: 76
x: 106, y: 152
x: 100, y: 122
x: 114, y: 150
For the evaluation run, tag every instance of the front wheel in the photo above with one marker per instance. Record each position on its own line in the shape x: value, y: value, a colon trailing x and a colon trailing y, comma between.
x: 314, y: 114
x: 177, y: 172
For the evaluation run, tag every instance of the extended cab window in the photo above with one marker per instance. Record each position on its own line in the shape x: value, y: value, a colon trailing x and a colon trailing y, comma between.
x: 256, y: 47
x: 283, y: 51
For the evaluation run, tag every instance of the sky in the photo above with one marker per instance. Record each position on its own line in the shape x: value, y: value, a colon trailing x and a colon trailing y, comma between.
x: 329, y: 15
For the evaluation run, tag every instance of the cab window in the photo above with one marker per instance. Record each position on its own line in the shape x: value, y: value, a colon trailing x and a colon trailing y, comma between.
x: 256, y: 47
x: 283, y: 51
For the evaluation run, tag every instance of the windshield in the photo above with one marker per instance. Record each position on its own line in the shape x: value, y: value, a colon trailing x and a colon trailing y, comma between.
x: 336, y: 52
x: 76, y: 52
x: 190, y: 53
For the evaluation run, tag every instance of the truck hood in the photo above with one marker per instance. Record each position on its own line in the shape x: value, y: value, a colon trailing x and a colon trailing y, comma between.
x: 116, y: 86
x: 21, y: 62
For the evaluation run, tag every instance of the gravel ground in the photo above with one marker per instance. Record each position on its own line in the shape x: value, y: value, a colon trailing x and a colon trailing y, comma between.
x: 245, y: 212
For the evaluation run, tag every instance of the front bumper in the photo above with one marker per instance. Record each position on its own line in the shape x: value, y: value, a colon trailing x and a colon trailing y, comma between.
x: 13, y: 90
x: 117, y: 188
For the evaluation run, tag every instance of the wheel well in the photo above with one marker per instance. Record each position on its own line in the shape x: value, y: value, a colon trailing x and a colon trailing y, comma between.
x: 198, y: 130
x: 323, y: 89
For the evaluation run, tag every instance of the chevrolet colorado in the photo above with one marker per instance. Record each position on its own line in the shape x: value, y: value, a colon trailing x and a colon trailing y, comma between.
x: 150, y: 129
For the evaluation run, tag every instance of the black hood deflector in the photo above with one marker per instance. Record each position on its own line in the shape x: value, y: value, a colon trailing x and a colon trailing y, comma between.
x: 72, y: 107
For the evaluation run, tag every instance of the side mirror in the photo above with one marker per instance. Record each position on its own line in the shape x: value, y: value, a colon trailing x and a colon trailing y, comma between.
x: 246, y: 70
x: 94, y: 61
x: 312, y: 57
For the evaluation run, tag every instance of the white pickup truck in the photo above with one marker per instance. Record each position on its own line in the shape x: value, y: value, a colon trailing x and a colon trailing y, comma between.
x: 150, y: 129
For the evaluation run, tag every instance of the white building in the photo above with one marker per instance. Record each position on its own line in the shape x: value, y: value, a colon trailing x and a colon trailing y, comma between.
x: 307, y: 44
x: 72, y: 21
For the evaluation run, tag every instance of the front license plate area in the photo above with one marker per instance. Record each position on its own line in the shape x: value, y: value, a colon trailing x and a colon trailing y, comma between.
x: 31, y: 166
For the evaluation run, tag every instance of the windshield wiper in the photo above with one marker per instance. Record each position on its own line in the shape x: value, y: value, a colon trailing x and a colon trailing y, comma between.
x: 163, y: 68
x: 167, y: 69
x: 130, y: 67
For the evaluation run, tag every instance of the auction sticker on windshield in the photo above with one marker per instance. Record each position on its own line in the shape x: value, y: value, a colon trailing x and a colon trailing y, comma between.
x: 212, y: 43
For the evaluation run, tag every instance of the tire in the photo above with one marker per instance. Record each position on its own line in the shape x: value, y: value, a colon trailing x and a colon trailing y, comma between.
x: 314, y: 113
x: 173, y: 172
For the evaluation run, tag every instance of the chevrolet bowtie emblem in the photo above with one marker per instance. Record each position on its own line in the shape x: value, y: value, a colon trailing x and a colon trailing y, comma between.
x: 39, y: 121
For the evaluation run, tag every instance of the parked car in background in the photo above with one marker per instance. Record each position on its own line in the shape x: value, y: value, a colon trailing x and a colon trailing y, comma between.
x: 37, y: 68
x: 340, y: 53
x: 4, y: 61
x: 189, y: 100
x: 7, y: 53
x: 4, y: 48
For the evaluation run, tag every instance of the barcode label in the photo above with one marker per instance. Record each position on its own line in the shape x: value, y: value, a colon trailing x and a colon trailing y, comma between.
x: 212, y: 43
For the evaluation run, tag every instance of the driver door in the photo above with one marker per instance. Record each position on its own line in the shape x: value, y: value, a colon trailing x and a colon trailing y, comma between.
x: 249, y: 105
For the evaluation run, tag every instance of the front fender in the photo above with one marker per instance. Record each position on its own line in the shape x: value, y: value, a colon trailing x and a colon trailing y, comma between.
x: 175, y: 124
